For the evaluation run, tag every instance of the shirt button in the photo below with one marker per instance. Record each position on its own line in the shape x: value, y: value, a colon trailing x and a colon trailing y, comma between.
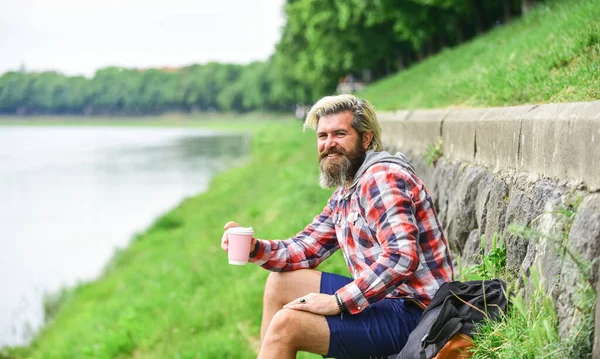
x: 359, y: 308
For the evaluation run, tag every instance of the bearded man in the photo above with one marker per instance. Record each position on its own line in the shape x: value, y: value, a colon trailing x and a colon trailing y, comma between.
x: 382, y: 218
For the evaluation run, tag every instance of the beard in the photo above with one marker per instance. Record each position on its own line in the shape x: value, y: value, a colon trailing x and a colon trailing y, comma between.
x: 339, y: 171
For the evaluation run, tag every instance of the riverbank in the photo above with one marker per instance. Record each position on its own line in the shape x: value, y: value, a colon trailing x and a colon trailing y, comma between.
x: 217, y: 121
x: 171, y: 293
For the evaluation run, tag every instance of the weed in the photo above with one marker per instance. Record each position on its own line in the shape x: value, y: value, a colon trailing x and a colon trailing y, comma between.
x: 493, y: 265
x: 434, y: 152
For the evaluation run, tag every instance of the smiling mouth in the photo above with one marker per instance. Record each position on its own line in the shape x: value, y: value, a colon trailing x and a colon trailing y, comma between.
x: 331, y: 154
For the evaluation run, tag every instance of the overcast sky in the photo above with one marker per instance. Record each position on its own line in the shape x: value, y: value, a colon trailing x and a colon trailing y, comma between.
x: 81, y: 36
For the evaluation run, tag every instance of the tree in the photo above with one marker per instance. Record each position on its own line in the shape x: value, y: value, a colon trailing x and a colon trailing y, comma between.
x: 323, y: 42
x: 13, y: 91
x: 527, y: 5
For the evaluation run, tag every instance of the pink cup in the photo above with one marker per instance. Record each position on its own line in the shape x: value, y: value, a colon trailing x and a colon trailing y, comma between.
x: 240, y: 239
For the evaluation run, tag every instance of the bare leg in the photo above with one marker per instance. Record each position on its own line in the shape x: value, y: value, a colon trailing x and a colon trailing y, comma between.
x: 291, y: 331
x: 283, y: 287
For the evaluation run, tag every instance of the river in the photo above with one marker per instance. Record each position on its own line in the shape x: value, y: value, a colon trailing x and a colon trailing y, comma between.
x: 70, y: 196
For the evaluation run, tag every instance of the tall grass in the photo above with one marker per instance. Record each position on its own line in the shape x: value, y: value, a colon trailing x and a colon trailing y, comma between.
x: 530, y: 328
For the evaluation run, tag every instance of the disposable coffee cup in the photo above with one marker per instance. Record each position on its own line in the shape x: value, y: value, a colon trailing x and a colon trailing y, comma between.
x: 240, y: 239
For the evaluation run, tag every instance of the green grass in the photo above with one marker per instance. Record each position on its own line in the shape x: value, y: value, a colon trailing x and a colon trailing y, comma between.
x: 551, y: 55
x: 529, y: 328
x: 171, y: 293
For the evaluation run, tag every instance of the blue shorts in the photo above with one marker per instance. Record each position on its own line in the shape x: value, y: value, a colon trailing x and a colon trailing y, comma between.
x: 380, y: 330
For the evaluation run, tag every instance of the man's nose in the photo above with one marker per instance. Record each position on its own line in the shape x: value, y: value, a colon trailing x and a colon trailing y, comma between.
x: 330, y: 142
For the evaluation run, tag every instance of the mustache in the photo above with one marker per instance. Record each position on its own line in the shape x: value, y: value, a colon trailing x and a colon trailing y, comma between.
x: 332, y: 151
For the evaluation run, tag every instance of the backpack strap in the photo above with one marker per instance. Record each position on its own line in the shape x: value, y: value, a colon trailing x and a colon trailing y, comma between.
x: 451, y: 328
x: 414, y: 343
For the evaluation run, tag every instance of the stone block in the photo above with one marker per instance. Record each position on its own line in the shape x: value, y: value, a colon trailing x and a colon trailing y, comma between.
x: 527, y: 203
x: 471, y: 254
x: 461, y: 219
x: 445, y: 177
x: 519, y: 212
x: 495, y: 216
x: 541, y: 253
x: 584, y: 237
x: 490, y: 207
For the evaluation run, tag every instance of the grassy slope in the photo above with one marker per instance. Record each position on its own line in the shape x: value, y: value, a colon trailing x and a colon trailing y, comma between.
x: 551, y: 55
x: 172, y: 293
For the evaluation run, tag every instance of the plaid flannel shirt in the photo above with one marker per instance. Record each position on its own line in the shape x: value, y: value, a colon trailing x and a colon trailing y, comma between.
x: 388, y: 231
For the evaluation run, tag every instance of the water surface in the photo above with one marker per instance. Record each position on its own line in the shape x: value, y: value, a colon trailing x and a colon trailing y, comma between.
x: 70, y: 195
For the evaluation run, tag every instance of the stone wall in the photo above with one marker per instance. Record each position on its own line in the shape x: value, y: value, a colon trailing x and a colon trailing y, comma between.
x: 517, y: 165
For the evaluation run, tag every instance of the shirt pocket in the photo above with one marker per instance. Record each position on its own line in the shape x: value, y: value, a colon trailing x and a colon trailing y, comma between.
x: 340, y: 228
x: 359, y: 228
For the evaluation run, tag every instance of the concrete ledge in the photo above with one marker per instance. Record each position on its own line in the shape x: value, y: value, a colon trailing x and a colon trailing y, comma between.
x: 497, y: 136
x: 394, y: 125
x: 415, y: 135
x: 553, y: 140
x: 459, y: 131
x: 563, y: 140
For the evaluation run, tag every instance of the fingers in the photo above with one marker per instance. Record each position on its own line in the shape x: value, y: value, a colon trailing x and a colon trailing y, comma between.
x: 299, y: 303
x: 224, y: 239
x: 318, y: 303
x: 224, y: 242
x: 304, y: 302
x: 230, y: 225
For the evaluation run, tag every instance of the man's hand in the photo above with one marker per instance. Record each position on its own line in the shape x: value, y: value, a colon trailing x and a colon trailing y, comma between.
x: 318, y: 303
x: 225, y: 239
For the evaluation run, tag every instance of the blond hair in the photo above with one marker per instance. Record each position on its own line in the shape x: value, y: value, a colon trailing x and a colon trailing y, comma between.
x: 364, y: 118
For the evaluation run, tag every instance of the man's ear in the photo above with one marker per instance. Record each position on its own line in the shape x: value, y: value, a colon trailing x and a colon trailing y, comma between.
x: 366, y: 140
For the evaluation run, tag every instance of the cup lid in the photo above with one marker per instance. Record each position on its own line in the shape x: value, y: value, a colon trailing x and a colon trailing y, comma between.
x: 241, y: 230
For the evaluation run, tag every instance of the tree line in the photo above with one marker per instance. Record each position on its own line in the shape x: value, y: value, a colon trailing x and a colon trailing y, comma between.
x: 323, y: 43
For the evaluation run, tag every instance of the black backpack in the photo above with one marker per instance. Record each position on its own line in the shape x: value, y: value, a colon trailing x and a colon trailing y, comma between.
x: 454, y: 309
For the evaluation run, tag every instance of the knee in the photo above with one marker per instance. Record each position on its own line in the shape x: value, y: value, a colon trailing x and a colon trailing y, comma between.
x: 283, y: 329
x: 283, y: 287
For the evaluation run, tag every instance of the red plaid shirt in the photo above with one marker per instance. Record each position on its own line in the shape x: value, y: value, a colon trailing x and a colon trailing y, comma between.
x: 388, y: 231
